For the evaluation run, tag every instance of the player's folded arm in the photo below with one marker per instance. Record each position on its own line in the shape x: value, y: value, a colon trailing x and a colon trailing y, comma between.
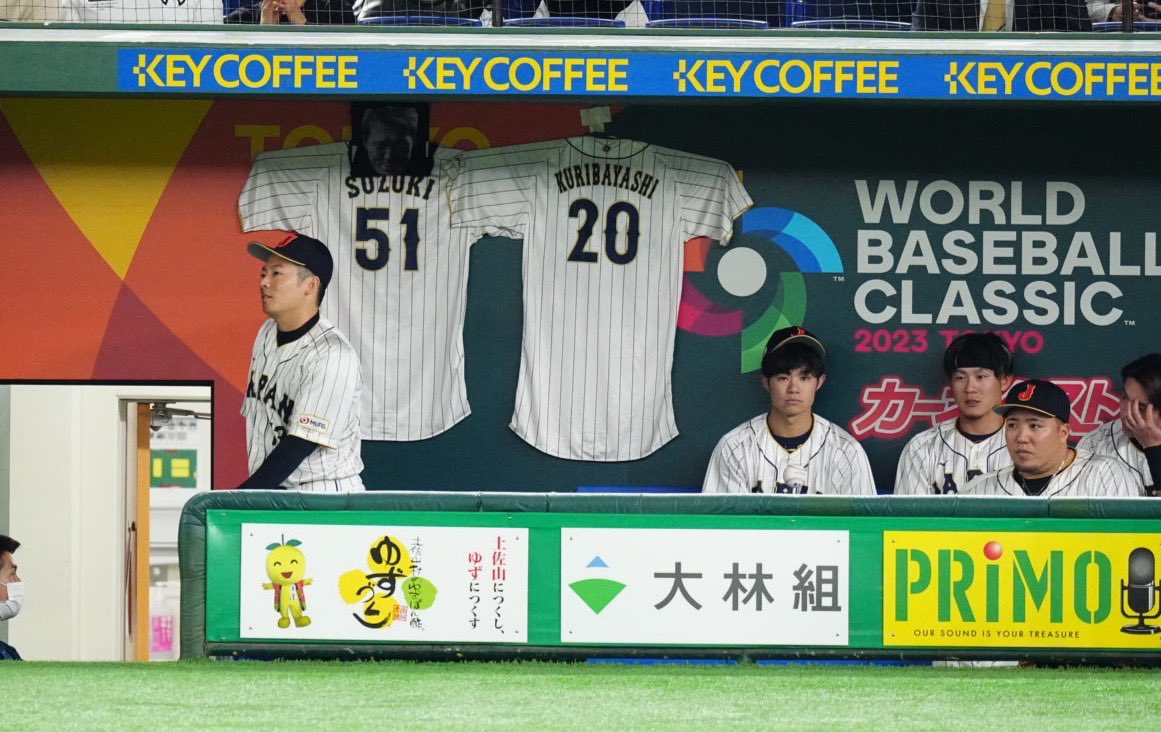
x: 286, y: 456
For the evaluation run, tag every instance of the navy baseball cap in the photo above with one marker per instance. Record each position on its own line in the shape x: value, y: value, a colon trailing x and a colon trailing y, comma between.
x: 786, y: 336
x: 301, y: 250
x: 1037, y: 395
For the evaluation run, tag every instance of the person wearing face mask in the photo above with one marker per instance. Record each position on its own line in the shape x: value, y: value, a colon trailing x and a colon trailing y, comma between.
x: 11, y: 591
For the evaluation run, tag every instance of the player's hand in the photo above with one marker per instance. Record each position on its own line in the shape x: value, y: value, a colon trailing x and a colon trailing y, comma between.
x: 1151, y: 11
x: 292, y: 9
x: 1117, y: 12
x: 271, y: 14
x: 1143, y: 423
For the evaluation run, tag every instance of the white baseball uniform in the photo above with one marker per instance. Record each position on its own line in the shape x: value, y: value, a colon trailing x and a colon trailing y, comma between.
x: 942, y: 460
x: 749, y: 460
x: 400, y: 282
x: 308, y: 388
x: 141, y: 11
x: 1098, y: 476
x: 1110, y: 439
x: 603, y: 223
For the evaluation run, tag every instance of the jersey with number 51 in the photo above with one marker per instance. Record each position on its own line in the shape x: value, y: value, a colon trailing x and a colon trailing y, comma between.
x: 399, y: 286
x: 603, y: 223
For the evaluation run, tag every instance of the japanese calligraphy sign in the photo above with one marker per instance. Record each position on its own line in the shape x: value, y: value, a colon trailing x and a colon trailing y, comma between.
x: 704, y: 586
x: 384, y: 583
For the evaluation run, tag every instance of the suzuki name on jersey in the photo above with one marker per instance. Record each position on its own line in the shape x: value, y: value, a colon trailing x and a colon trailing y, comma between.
x: 606, y: 174
x: 410, y: 185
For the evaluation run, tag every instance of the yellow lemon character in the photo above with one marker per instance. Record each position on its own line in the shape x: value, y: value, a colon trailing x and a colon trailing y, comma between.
x: 286, y: 568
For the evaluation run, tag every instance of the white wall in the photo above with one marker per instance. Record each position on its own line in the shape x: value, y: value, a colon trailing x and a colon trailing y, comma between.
x: 67, y: 505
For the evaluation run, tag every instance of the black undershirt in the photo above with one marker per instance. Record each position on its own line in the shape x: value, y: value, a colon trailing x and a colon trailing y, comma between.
x: 1153, y: 458
x: 790, y: 444
x: 1034, y: 486
x: 977, y: 439
x: 290, y: 451
x: 290, y: 336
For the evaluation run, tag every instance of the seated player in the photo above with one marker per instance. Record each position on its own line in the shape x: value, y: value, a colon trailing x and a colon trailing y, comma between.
x: 789, y: 449
x: 1135, y: 438
x: 1043, y: 465
x: 141, y: 11
x: 943, y: 459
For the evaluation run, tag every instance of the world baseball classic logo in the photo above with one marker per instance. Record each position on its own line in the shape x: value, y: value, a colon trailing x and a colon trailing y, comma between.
x: 792, y: 242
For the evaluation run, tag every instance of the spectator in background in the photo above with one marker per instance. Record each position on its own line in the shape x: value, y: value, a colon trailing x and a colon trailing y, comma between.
x: 29, y: 11
x: 207, y: 12
x: 294, y: 12
x: 11, y: 591
x: 1036, y: 415
x: 942, y: 460
x: 1135, y: 438
x: 790, y: 449
x: 1012, y: 15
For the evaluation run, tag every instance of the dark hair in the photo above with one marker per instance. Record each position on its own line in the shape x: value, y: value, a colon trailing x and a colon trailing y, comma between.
x: 1147, y: 371
x: 978, y: 350
x: 794, y: 356
x: 8, y: 544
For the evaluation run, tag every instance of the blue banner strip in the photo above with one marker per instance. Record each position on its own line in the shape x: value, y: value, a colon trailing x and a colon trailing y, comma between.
x: 673, y: 75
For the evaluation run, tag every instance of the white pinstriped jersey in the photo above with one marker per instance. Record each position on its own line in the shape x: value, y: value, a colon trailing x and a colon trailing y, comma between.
x: 1093, y: 475
x: 399, y: 287
x: 941, y: 460
x: 748, y: 457
x: 308, y: 388
x: 141, y: 11
x: 603, y: 223
x: 1110, y: 439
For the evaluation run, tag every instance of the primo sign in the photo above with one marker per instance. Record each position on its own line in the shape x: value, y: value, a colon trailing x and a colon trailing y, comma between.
x: 988, y: 589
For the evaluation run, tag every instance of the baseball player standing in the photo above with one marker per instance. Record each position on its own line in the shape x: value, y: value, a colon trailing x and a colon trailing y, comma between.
x: 1036, y: 415
x: 302, y: 399
x: 401, y: 275
x: 604, y: 222
x: 942, y: 460
x: 1135, y: 438
x: 790, y: 449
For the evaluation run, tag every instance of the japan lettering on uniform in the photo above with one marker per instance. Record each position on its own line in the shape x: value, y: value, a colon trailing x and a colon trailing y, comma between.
x: 829, y: 462
x: 308, y: 388
x: 1110, y: 439
x: 399, y: 288
x: 603, y: 223
x: 941, y: 461
x: 1089, y: 475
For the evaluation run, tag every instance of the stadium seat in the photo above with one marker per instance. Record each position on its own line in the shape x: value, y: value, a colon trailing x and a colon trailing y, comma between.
x: 563, y: 22
x: 709, y: 23
x: 419, y: 20
x: 851, y: 24
x: 638, y: 489
x: 514, y: 9
x: 712, y: 13
x: 1141, y: 26
x: 898, y: 11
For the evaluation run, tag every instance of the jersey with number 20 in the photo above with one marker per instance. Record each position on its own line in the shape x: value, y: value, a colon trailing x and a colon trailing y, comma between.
x: 603, y: 222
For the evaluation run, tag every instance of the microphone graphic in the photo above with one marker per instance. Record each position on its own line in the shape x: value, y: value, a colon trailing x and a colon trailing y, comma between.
x: 1140, y: 592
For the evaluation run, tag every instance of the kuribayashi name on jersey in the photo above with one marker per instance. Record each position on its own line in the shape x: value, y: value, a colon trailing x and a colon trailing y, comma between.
x: 606, y: 174
x: 411, y: 185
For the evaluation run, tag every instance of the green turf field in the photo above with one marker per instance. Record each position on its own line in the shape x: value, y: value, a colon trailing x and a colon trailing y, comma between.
x: 303, y: 695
